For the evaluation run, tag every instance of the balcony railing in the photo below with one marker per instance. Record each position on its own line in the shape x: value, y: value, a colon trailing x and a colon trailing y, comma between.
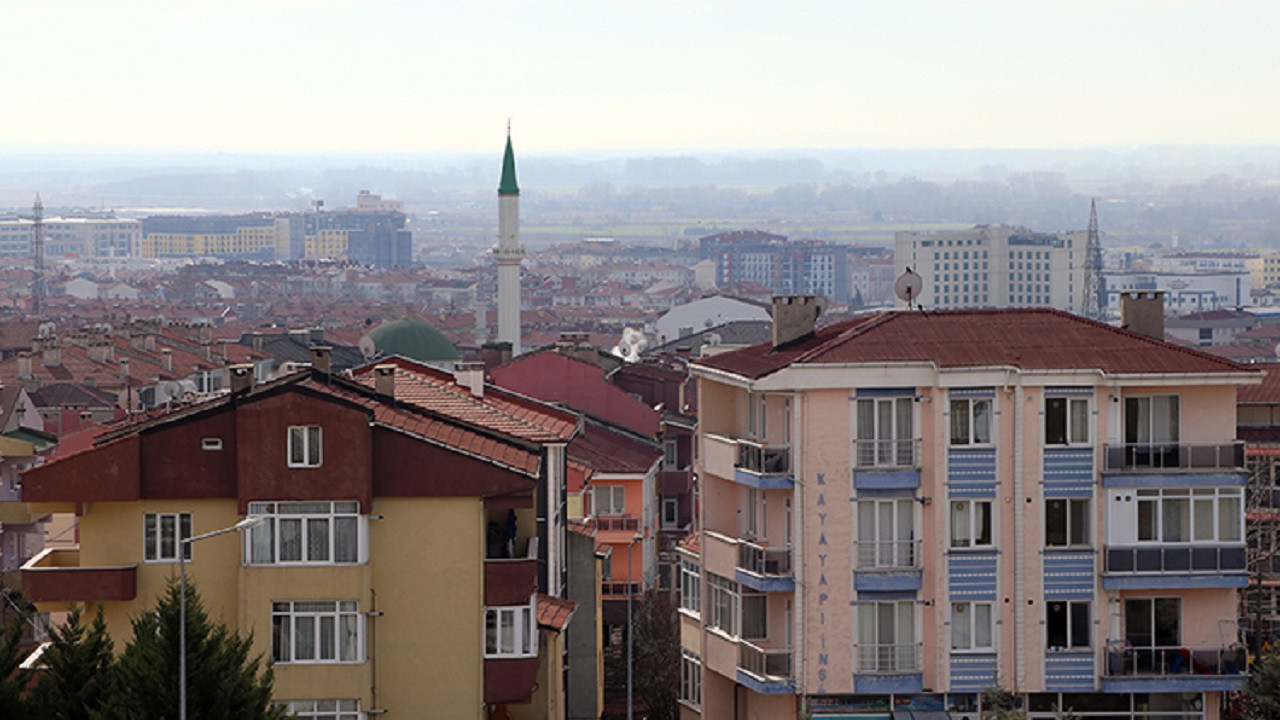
x: 887, y: 453
x: 1124, y: 660
x: 626, y: 523
x: 1177, y: 559
x: 888, y: 555
x: 766, y: 664
x: 620, y: 589
x: 1149, y: 457
x: 888, y: 659
x: 760, y: 560
x: 764, y: 459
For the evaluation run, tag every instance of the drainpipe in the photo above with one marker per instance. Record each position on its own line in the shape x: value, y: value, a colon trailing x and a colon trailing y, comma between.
x: 1019, y: 549
x: 799, y: 564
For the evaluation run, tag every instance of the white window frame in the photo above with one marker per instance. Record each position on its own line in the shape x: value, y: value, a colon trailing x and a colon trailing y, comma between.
x: 1070, y: 405
x: 300, y: 613
x: 522, y: 642
x: 885, y: 432
x: 690, y: 679
x: 690, y: 590
x: 723, y: 604
x: 670, y: 454
x: 301, y: 441
x: 609, y: 500
x: 1197, y: 501
x: 154, y: 547
x: 1069, y: 630
x: 967, y: 626
x: 967, y: 408
x: 344, y: 709
x: 972, y: 512
x: 264, y: 544
x: 1068, y: 524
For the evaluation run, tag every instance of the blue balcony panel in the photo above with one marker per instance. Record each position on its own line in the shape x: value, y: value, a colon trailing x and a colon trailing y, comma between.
x: 903, y: 479
x: 765, y: 687
x: 760, y: 481
x: 765, y: 583
x: 902, y: 581
x: 883, y: 684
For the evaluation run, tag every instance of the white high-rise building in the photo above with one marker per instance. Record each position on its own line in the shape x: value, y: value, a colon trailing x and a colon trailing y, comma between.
x: 508, y: 253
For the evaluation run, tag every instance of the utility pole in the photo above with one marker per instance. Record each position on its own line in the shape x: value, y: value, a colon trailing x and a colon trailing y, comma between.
x: 37, y: 247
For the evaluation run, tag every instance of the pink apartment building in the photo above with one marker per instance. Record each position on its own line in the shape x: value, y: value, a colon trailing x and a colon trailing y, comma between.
x: 901, y: 510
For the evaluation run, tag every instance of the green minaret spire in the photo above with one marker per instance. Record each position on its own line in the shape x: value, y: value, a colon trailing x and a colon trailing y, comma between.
x: 507, y: 186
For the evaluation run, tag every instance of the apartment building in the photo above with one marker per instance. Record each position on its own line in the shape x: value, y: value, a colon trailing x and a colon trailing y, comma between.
x: 901, y: 510
x: 407, y: 564
x: 812, y: 267
x: 995, y: 266
x: 88, y: 235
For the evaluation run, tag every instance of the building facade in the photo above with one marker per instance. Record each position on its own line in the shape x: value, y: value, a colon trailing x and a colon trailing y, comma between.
x: 899, y: 512
x: 91, y: 235
x: 784, y: 266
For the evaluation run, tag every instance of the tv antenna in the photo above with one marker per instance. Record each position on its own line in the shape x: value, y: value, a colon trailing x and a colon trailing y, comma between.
x: 907, y: 287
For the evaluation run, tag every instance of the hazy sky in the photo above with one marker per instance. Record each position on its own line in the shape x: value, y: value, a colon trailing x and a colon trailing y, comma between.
x: 319, y: 76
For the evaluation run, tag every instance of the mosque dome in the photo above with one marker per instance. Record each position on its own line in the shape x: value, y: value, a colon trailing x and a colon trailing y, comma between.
x: 413, y: 338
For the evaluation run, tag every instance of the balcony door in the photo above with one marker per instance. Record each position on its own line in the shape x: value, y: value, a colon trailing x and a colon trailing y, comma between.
x: 886, y: 534
x: 1153, y: 629
x: 886, y: 427
x: 887, y: 637
x: 1151, y: 430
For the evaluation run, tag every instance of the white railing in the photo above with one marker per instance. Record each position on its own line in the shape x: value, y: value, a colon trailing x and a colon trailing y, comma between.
x: 887, y: 453
x: 888, y: 555
x: 888, y: 659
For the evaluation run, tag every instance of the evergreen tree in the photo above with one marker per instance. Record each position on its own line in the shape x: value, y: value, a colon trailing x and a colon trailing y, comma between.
x: 223, y: 681
x: 1261, y: 697
x: 1000, y: 703
x: 74, y: 669
x: 656, y: 656
x: 13, y: 680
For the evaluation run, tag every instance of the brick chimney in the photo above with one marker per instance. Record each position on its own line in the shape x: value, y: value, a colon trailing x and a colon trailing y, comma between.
x: 241, y: 378
x: 384, y: 380
x: 320, y: 358
x: 1142, y: 311
x: 495, y: 354
x: 470, y: 375
x: 795, y: 316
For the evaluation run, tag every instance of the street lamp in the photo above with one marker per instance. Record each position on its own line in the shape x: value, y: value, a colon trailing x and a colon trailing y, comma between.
x: 630, y: 623
x: 244, y: 524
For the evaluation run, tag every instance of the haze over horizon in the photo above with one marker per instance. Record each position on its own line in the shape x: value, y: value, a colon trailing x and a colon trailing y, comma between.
x: 391, y: 77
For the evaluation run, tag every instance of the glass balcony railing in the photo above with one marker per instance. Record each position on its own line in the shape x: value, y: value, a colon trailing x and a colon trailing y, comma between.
x: 1125, y: 660
x: 764, y: 663
x: 888, y: 555
x: 764, y: 561
x: 888, y: 659
x: 1153, y: 457
x: 887, y: 454
x: 614, y: 522
x: 1164, y: 559
x: 764, y: 459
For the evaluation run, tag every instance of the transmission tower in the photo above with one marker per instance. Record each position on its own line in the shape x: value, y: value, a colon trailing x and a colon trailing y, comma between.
x: 1093, y: 303
x: 37, y: 247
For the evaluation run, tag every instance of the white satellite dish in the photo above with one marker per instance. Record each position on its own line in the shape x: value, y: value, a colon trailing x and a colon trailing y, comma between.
x: 908, y: 286
x: 367, y: 348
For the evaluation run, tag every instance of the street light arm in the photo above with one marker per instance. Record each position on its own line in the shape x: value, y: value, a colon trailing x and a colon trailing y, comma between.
x: 244, y: 524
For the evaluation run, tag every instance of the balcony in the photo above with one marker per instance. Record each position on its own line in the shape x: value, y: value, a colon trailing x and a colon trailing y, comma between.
x: 889, y: 659
x: 764, y: 569
x: 510, y: 581
x: 887, y: 566
x: 620, y: 588
x: 886, y: 454
x: 1174, y: 669
x: 1165, y: 457
x: 1172, y: 566
x: 764, y: 466
x: 614, y: 523
x: 765, y: 670
x: 55, y: 575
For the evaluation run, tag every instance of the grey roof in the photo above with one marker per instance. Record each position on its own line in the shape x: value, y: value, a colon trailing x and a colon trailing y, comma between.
x: 734, y: 333
x: 284, y: 348
x: 71, y: 395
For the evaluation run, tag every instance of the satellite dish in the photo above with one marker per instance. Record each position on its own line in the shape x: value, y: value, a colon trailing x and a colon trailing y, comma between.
x: 45, y: 329
x: 908, y: 287
x: 367, y: 348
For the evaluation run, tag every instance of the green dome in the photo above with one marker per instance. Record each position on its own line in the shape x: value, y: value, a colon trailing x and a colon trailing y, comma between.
x: 413, y: 338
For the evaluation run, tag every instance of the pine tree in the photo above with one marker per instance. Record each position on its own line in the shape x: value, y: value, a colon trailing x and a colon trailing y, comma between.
x: 1261, y: 697
x: 72, y: 679
x: 224, y: 682
x: 13, y: 680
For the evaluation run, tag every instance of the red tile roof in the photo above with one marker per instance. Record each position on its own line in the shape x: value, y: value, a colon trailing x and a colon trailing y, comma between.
x: 554, y: 612
x: 609, y: 450
x: 1030, y: 339
x: 1266, y: 393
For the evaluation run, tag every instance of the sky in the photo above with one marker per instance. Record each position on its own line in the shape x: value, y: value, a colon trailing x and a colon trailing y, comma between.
x: 660, y: 76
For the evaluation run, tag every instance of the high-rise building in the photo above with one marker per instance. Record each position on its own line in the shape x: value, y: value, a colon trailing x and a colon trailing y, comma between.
x: 88, y: 235
x: 902, y: 510
x: 808, y: 267
x: 996, y: 266
x: 509, y: 254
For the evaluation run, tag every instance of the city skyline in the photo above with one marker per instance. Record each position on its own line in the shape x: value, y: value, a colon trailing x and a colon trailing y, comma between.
x: 397, y: 77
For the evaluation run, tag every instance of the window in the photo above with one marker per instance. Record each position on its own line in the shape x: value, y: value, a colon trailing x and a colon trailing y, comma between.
x: 511, y: 631
x: 1066, y: 522
x: 1177, y: 515
x: 306, y: 533
x: 670, y: 455
x: 1153, y: 622
x: 970, y: 523
x: 322, y: 709
x: 1066, y: 421
x: 304, y: 446
x: 1067, y: 625
x: 885, y: 432
x: 690, y: 574
x: 886, y: 534
x: 316, y: 632
x: 690, y: 678
x: 670, y: 513
x: 887, y: 637
x: 608, y: 500
x: 161, y: 533
x: 971, y: 422
x: 722, y: 604
x: 755, y: 616
x: 971, y: 627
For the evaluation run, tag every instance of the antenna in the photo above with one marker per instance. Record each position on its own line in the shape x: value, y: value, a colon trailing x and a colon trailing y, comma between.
x: 907, y: 287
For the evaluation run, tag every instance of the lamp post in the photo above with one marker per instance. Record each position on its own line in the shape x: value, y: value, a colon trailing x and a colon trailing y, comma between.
x: 630, y: 622
x: 183, y: 544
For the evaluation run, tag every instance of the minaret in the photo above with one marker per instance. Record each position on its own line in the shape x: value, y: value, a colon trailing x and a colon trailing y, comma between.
x: 508, y: 253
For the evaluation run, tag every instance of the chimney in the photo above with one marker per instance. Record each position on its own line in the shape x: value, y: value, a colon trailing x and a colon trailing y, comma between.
x: 320, y: 358
x: 51, y: 355
x: 795, y: 316
x: 495, y: 354
x: 149, y: 341
x: 317, y: 335
x: 470, y: 375
x: 302, y: 337
x: 98, y: 351
x: 384, y: 381
x: 1142, y: 311
x: 256, y: 340
x: 166, y: 359
x: 24, y: 365
x: 124, y: 368
x: 241, y: 378
x: 222, y: 350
